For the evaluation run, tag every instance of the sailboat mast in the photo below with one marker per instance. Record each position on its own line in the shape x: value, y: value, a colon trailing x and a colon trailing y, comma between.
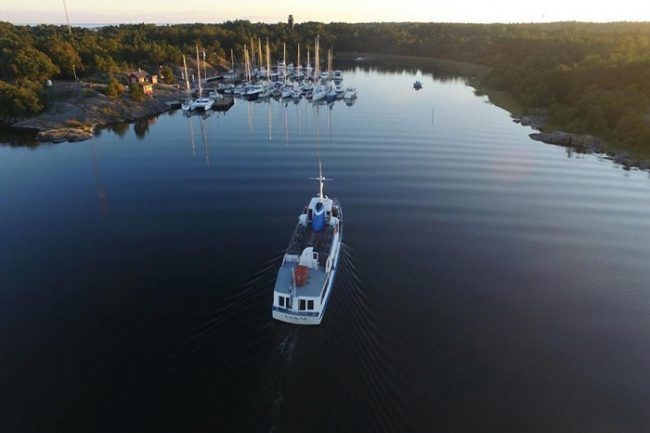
x: 298, y: 62
x: 268, y: 62
x: 316, y: 60
x: 252, y: 52
x: 329, y: 61
x: 205, y: 68
x: 198, y: 70
x: 259, y: 52
x: 246, y: 64
x: 284, y: 59
x: 187, y: 80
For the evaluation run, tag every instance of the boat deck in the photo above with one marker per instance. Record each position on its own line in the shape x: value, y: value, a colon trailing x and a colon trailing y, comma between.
x: 312, y: 288
x: 304, y: 237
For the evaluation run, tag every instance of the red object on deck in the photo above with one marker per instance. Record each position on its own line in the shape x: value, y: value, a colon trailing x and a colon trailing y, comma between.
x: 300, y: 275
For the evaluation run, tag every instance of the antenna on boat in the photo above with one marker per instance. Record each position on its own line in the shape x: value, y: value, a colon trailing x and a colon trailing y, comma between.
x: 321, y: 179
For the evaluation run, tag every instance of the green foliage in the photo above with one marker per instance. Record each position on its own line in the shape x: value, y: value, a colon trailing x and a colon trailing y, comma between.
x: 168, y: 74
x: 64, y: 56
x: 136, y: 93
x: 114, y: 89
x: 19, y: 101
x: 26, y: 64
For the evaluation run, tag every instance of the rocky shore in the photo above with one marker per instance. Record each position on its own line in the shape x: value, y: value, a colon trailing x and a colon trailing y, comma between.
x: 538, y: 119
x: 75, y: 111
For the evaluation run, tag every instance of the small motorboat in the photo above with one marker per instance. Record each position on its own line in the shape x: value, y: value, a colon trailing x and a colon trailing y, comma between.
x: 417, y: 85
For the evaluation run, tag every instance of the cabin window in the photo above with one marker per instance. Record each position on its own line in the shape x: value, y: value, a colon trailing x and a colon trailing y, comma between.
x: 310, y: 304
x: 281, y: 301
x: 288, y: 303
x: 301, y: 305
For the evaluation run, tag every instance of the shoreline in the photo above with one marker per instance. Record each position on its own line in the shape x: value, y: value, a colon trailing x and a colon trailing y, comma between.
x: 536, y: 118
x: 76, y: 110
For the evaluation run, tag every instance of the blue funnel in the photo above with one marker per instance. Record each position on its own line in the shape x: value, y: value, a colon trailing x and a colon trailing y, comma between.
x: 318, y: 217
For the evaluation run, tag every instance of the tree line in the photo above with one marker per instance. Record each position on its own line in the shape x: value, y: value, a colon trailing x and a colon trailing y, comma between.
x: 592, y: 78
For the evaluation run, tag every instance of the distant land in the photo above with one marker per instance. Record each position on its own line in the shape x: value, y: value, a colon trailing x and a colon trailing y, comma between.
x: 589, y: 79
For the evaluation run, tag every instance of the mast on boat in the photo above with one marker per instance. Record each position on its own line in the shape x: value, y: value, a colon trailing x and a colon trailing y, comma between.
x: 268, y: 62
x: 329, y: 61
x: 317, y: 60
x: 247, y: 64
x: 284, y: 59
x: 198, y: 70
x: 205, y: 68
x: 308, y: 66
x: 187, y: 80
x: 321, y: 180
x: 252, y: 53
x: 298, y: 62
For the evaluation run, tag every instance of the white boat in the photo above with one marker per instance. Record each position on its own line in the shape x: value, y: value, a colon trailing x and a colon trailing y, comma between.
x: 296, y: 93
x: 200, y: 103
x: 287, y: 92
x: 319, y: 92
x: 252, y: 92
x: 338, y: 75
x: 324, y: 76
x: 350, y: 93
x: 331, y: 95
x: 186, y: 105
x: 306, y: 277
x: 204, y: 104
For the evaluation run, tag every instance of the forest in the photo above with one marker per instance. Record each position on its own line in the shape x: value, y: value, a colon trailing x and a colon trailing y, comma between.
x: 591, y: 78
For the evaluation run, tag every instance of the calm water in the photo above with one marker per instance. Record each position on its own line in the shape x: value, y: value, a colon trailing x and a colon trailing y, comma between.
x: 489, y: 283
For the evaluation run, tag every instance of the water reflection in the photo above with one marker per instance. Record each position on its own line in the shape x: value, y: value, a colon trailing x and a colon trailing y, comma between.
x: 141, y: 127
x: 120, y: 129
x: 102, y: 198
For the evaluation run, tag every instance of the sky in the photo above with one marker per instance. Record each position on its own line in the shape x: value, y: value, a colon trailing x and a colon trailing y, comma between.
x: 174, y: 11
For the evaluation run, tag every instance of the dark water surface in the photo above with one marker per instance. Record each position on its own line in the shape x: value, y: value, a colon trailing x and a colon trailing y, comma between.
x: 489, y: 283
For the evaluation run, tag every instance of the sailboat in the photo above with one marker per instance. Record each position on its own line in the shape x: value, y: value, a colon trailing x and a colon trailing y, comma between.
x: 298, y: 75
x: 268, y: 87
x: 320, y: 91
x: 304, y: 283
x: 200, y: 103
